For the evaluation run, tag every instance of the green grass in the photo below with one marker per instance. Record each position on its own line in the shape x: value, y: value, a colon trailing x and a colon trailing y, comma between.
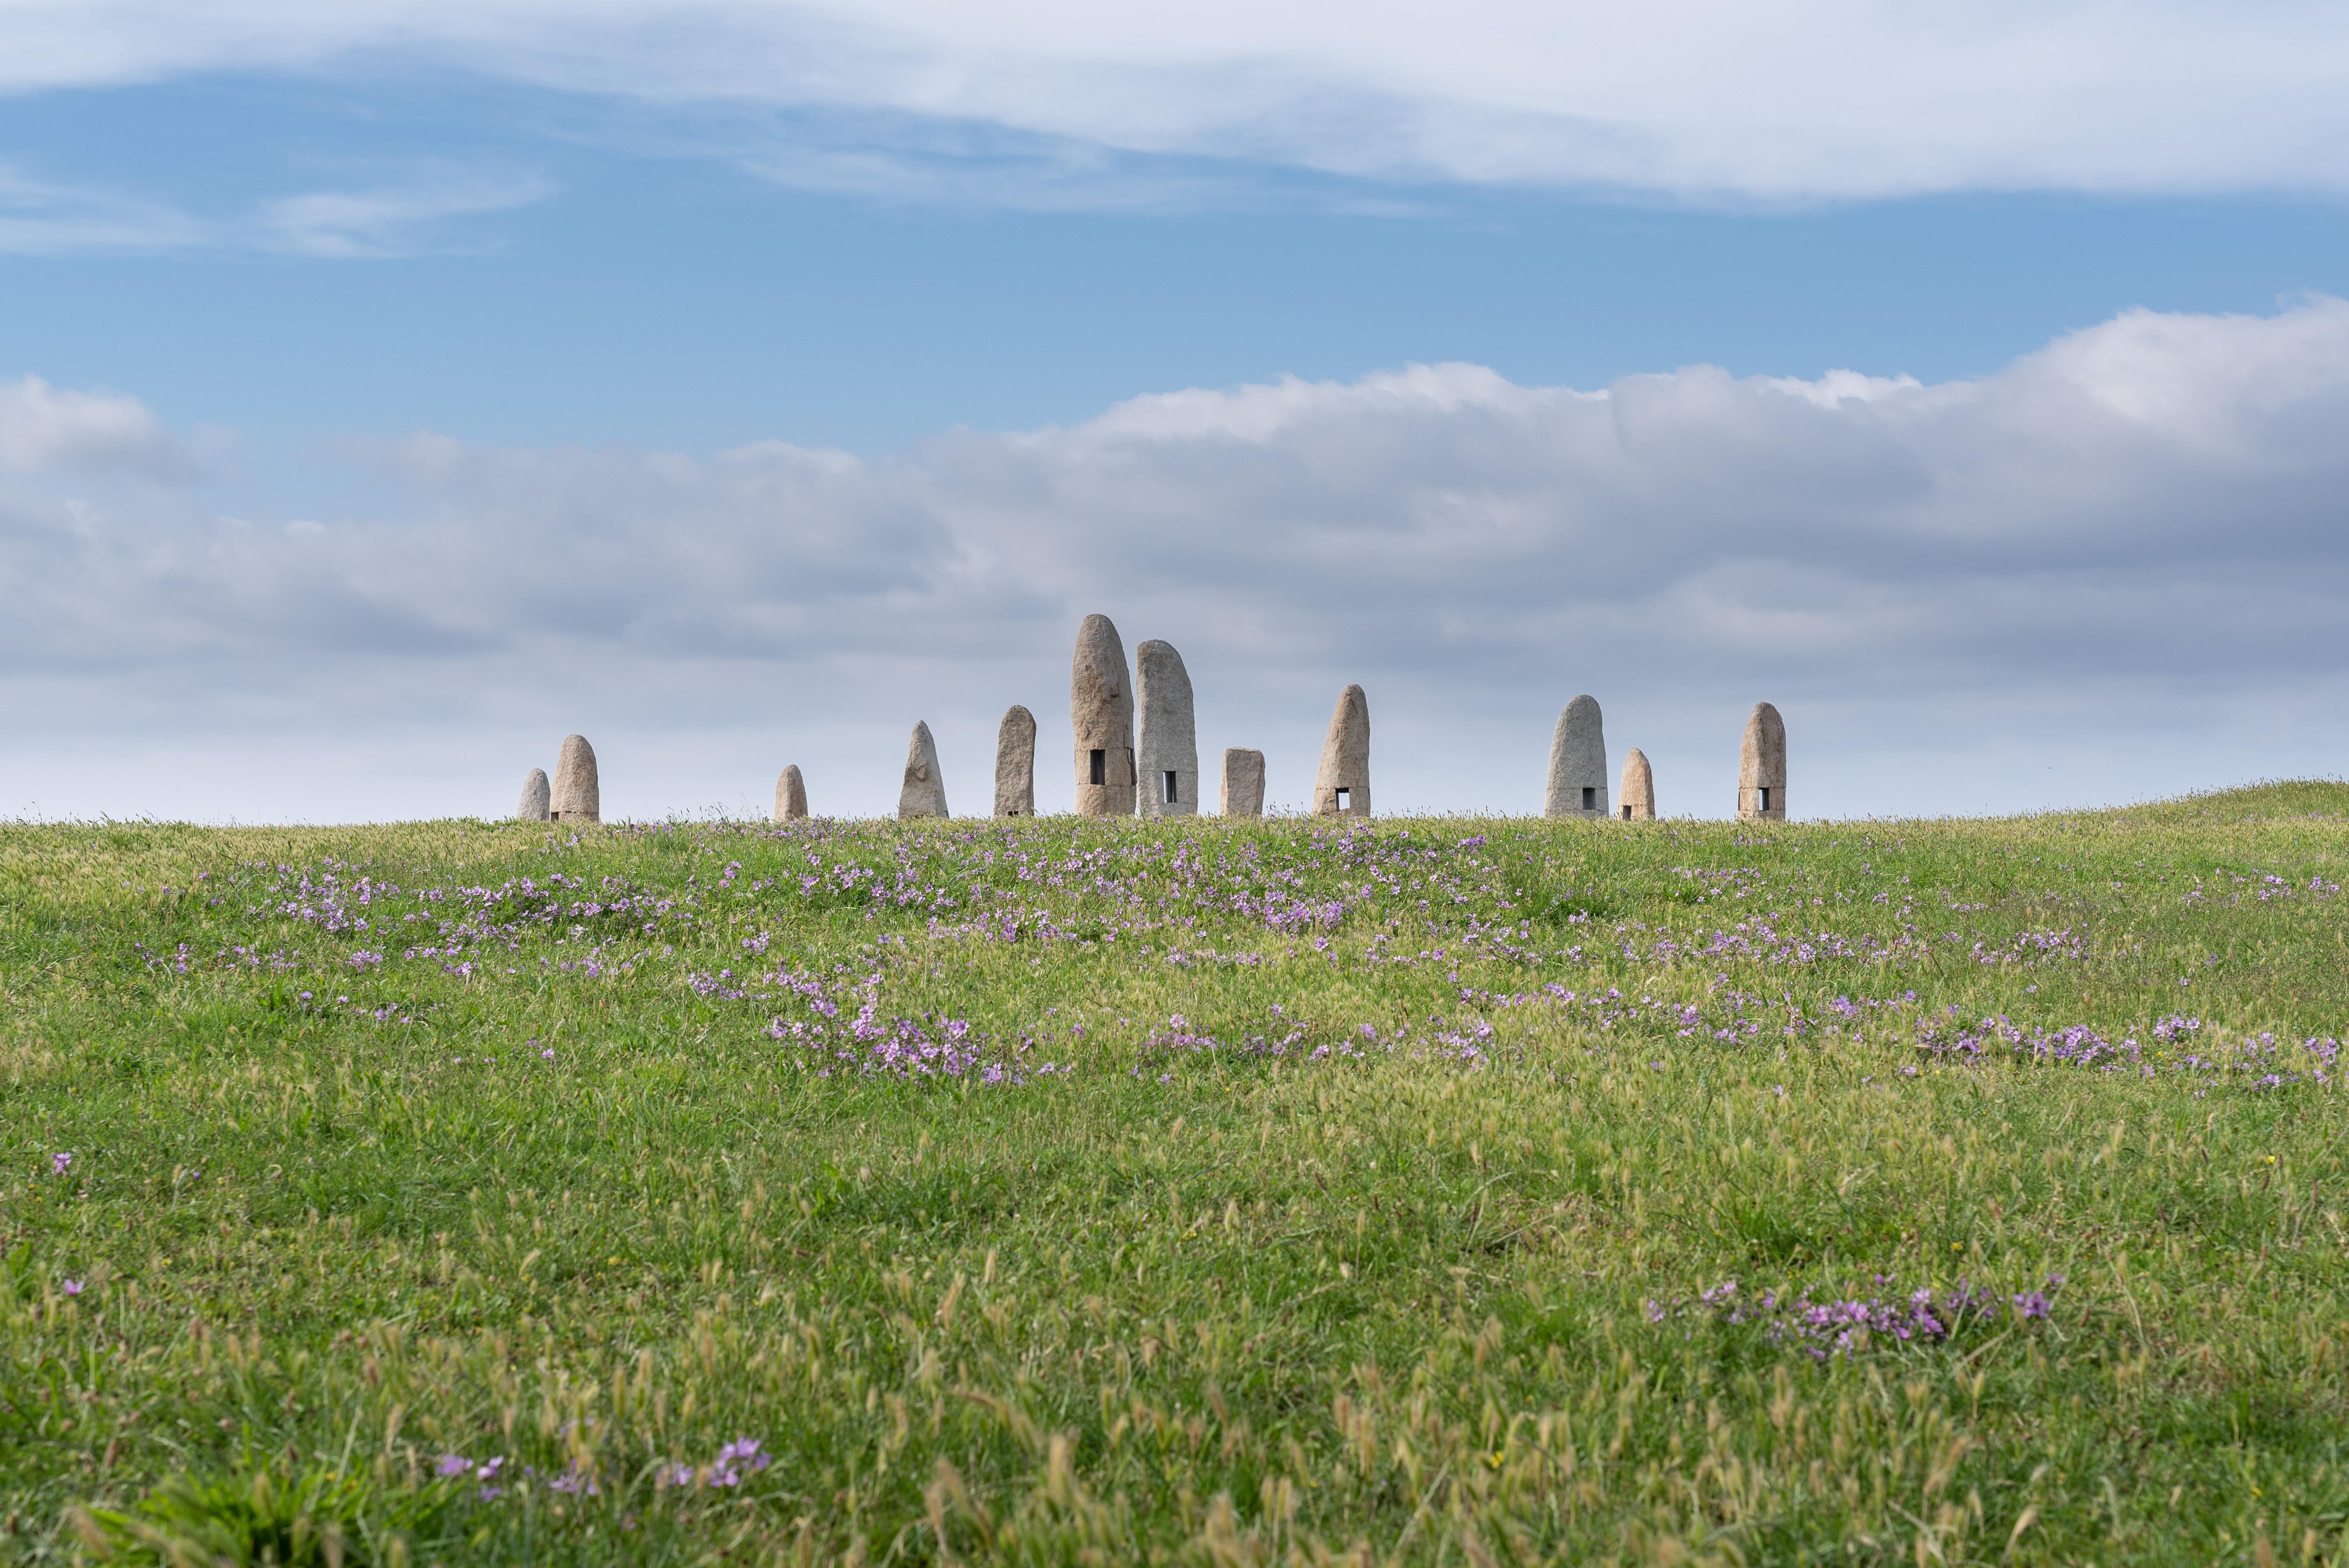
x: 1388, y: 1250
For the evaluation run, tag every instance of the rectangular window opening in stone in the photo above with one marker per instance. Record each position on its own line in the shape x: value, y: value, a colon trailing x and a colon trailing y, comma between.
x: 1589, y: 798
x: 1766, y: 797
x: 1173, y: 795
x: 1627, y: 813
x: 1101, y: 768
x: 1345, y: 799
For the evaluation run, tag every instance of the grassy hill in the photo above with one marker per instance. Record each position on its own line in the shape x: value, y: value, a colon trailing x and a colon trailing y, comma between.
x: 1438, y: 1190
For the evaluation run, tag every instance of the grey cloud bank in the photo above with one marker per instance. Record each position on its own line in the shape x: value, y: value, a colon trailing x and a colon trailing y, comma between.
x: 1994, y: 593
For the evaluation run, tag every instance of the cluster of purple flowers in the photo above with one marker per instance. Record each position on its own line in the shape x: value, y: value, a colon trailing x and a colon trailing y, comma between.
x: 2075, y: 1046
x: 2257, y: 1063
x: 1851, y: 1325
x: 490, y: 1478
x: 1282, y: 1037
x: 742, y: 1455
x: 449, y: 1466
x: 926, y: 1046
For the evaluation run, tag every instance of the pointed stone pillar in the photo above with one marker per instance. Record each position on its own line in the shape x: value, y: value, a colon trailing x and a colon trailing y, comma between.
x: 1342, y: 786
x: 1242, y: 782
x: 1577, y: 762
x: 924, y: 793
x: 578, y: 795
x: 1101, y: 711
x: 1762, y: 767
x: 1168, y: 785
x: 1637, y: 802
x: 791, y: 795
x: 1015, y: 764
x: 535, y: 798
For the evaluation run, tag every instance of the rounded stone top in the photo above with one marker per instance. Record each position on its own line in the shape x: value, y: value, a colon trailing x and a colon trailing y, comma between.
x: 1099, y: 660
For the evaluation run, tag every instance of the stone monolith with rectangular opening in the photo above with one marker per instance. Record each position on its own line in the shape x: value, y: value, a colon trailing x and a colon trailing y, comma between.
x: 578, y: 795
x: 1101, y: 711
x: 1638, y: 800
x: 1762, y: 767
x: 1168, y: 752
x: 1342, y: 786
x: 1577, y: 762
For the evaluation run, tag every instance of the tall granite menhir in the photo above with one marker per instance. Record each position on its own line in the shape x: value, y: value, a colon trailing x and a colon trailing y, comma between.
x: 1762, y: 767
x: 791, y: 795
x: 1343, y: 787
x: 576, y: 796
x: 924, y: 793
x: 1242, y: 782
x: 1577, y: 762
x: 535, y: 798
x: 1638, y: 793
x: 1169, y: 782
x: 1015, y: 764
x: 1101, y: 711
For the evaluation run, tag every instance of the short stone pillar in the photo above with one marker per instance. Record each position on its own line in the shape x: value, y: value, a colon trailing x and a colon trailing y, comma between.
x: 1762, y: 767
x: 1168, y: 785
x: 791, y: 795
x: 1637, y: 800
x: 1242, y: 782
x: 924, y: 793
x: 1015, y: 764
x: 1342, y: 786
x: 577, y: 795
x: 1101, y: 711
x: 535, y: 798
x: 1577, y: 762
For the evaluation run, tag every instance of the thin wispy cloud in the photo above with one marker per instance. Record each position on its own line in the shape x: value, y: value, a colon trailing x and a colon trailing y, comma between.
x: 1699, y: 99
x: 391, y: 220
x: 41, y: 218
x: 413, y: 213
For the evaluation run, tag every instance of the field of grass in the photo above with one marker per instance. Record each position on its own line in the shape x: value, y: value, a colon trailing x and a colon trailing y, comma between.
x: 1434, y: 1191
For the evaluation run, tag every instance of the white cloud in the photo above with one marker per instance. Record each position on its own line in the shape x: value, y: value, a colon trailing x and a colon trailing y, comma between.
x: 2124, y: 555
x: 44, y: 430
x: 415, y: 212
x: 1798, y: 99
x: 390, y: 219
x: 41, y: 219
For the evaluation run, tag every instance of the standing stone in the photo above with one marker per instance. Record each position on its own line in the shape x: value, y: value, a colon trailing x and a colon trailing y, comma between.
x: 1015, y: 764
x: 1169, y: 782
x: 791, y: 795
x: 1343, y: 787
x: 576, y: 796
x: 1638, y: 797
x: 535, y: 797
x: 1101, y: 711
x: 1762, y: 767
x: 925, y: 791
x: 1577, y: 762
x: 1242, y: 782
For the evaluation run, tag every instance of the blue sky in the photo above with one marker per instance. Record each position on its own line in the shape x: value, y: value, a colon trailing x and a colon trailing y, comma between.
x: 634, y: 291
x: 295, y: 247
